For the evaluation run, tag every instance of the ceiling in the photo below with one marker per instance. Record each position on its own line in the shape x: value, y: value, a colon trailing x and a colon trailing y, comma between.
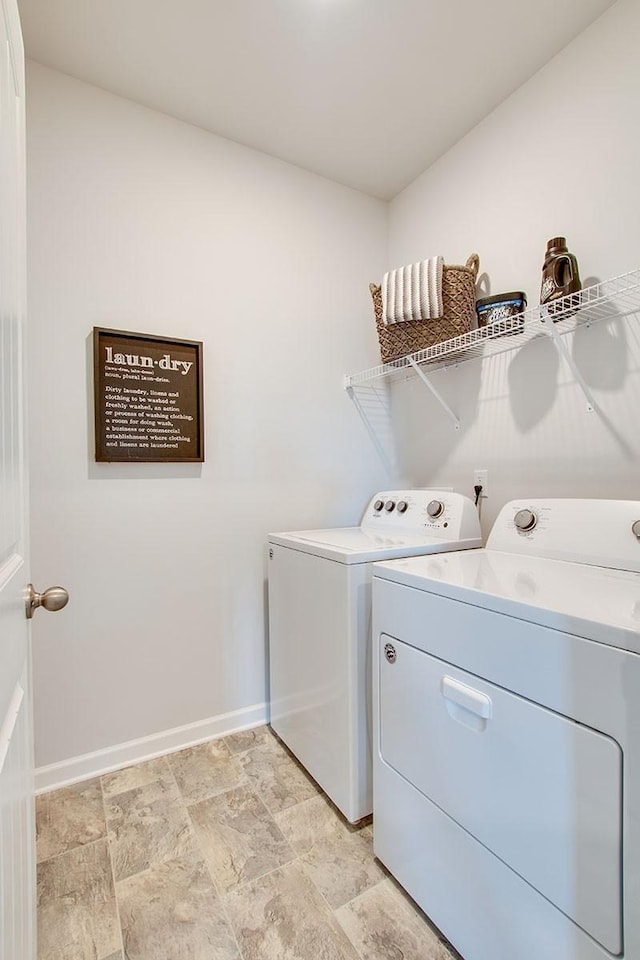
x: 366, y: 92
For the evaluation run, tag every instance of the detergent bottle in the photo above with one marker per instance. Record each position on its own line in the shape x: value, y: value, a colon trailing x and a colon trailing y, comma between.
x: 560, y: 274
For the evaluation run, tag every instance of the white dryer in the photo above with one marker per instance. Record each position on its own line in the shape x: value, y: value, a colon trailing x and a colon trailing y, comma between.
x: 507, y: 733
x: 320, y: 629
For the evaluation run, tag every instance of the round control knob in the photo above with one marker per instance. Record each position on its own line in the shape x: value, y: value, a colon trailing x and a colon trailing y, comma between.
x: 635, y: 529
x: 525, y: 520
x: 378, y: 505
x: 390, y: 506
x: 402, y: 506
x: 435, y: 508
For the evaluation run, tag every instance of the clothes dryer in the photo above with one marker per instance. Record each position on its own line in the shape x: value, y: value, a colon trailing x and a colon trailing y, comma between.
x: 320, y: 629
x: 507, y: 733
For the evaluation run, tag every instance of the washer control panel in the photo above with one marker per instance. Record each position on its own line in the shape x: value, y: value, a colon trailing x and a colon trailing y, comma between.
x: 600, y: 532
x: 438, y: 513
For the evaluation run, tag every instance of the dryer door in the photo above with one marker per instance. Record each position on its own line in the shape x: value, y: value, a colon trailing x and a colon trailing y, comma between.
x: 540, y: 791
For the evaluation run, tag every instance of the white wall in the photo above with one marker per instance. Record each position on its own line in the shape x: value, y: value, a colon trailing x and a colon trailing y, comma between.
x: 560, y: 157
x: 140, y: 222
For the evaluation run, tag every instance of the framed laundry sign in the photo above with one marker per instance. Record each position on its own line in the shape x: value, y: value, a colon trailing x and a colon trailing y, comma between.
x: 148, y: 398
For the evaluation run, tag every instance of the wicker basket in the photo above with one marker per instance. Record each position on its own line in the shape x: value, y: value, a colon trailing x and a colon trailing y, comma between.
x: 409, y: 336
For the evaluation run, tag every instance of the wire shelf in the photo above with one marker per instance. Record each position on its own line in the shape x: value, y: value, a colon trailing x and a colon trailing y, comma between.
x: 615, y: 298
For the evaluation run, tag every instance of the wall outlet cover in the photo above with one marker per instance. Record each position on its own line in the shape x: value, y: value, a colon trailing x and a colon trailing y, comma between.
x: 481, y: 478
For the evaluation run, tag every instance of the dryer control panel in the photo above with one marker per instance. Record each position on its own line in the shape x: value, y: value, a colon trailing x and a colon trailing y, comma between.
x: 439, y: 513
x: 605, y: 533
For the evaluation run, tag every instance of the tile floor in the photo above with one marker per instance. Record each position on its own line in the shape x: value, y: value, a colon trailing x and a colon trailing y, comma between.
x: 224, y: 851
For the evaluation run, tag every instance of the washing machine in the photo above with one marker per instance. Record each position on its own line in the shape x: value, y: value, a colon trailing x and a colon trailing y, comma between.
x: 320, y: 629
x: 507, y: 733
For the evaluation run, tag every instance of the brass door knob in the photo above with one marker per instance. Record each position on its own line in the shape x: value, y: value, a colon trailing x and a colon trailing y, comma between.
x: 55, y: 598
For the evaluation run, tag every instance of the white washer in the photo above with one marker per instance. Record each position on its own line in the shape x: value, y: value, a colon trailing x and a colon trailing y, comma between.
x: 507, y: 733
x: 320, y: 629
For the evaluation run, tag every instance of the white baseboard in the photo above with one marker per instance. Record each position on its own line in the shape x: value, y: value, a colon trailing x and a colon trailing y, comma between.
x: 66, y: 772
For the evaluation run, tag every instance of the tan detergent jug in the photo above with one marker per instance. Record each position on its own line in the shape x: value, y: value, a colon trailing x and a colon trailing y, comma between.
x: 560, y: 274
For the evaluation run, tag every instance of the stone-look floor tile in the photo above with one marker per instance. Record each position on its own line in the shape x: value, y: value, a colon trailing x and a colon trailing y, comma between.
x: 413, y: 907
x: 206, y: 770
x: 338, y: 856
x: 248, y: 739
x: 239, y: 837
x: 147, y: 825
x: 172, y: 912
x: 77, y: 916
x: 383, y: 926
x: 277, y: 777
x: 282, y: 916
x: 315, y: 819
x: 69, y: 818
x: 137, y: 776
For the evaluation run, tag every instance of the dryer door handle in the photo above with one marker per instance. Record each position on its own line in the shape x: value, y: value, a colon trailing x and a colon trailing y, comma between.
x: 467, y: 697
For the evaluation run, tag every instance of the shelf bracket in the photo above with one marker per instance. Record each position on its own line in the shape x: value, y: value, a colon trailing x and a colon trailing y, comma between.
x: 568, y: 359
x: 373, y: 408
x: 443, y: 403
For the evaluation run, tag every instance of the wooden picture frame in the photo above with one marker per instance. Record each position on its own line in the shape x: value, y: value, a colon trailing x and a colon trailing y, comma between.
x: 148, y: 398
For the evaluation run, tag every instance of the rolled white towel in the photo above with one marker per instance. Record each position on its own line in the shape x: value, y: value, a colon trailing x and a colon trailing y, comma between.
x: 413, y: 292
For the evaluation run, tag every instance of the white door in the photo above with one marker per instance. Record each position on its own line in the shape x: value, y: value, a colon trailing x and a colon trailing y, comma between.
x: 16, y: 763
